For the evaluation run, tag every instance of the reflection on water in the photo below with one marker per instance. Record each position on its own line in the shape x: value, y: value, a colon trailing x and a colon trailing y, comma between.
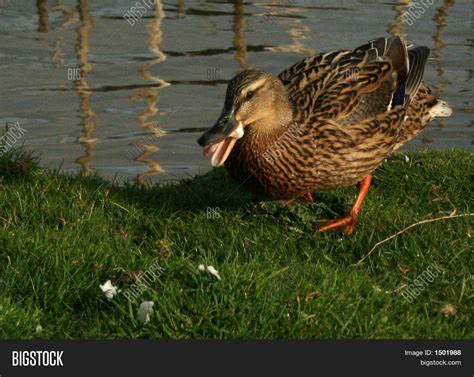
x: 440, y: 19
x: 141, y: 93
x: 240, y: 43
x: 68, y: 14
x: 436, y: 57
x: 150, y: 95
x: 58, y: 56
x: 397, y: 27
x: 42, y: 6
x: 180, y: 10
x: 81, y: 86
x: 298, y: 32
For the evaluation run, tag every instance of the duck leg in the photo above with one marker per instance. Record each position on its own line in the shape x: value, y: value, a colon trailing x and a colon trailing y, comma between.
x: 308, y: 197
x: 348, y: 222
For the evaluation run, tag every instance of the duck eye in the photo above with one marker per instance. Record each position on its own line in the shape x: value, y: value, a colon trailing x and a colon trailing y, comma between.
x: 249, y: 95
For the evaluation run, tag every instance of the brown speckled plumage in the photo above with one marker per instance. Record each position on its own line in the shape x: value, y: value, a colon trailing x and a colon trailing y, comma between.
x: 349, y: 111
x: 341, y: 130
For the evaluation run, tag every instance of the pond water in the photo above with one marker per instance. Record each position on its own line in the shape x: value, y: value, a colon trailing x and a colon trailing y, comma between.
x: 128, y: 99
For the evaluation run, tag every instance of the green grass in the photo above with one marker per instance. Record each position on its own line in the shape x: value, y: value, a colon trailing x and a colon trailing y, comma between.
x: 61, y: 236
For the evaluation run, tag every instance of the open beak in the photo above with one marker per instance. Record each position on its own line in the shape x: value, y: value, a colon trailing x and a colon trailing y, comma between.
x: 219, y: 140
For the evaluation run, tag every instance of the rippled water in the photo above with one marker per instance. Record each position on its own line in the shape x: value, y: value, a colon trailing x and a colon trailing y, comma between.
x: 96, y: 93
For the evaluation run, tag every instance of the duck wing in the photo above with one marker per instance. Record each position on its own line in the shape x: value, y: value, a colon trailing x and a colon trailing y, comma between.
x: 355, y: 124
x: 350, y: 86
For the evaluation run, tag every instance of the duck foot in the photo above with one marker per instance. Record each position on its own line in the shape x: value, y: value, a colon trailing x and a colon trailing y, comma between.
x: 307, y: 197
x: 348, y: 222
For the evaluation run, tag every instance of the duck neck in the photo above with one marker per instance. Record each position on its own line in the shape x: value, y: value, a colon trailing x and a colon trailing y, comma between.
x: 263, y: 133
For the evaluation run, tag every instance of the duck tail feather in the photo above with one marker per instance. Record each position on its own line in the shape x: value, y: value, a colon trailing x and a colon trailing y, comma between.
x: 418, y: 57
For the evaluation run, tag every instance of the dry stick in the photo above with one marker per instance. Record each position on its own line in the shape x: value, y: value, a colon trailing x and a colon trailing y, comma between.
x: 407, y: 228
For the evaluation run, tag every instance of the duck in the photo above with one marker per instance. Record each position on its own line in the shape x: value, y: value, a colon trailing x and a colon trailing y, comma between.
x: 326, y: 122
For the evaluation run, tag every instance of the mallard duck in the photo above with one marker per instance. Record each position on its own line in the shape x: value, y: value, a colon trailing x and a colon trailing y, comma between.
x: 326, y: 122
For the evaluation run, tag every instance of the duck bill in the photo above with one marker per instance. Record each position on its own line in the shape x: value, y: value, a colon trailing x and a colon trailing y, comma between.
x: 219, y: 140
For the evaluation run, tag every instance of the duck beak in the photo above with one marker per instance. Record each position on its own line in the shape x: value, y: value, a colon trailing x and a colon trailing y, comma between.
x: 219, y: 140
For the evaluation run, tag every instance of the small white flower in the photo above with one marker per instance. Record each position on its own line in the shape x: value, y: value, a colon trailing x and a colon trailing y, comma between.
x: 407, y: 159
x: 145, y: 311
x: 109, y: 290
x: 213, y: 272
x: 39, y: 329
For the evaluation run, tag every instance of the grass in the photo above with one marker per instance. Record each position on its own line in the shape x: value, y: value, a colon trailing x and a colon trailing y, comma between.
x: 61, y: 236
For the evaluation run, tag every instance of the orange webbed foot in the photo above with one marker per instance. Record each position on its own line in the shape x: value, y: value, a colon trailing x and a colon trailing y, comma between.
x: 349, y: 222
x: 308, y: 197
x: 346, y: 223
x: 286, y: 203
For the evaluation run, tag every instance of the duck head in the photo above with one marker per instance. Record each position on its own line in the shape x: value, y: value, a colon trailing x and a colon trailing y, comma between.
x: 255, y: 102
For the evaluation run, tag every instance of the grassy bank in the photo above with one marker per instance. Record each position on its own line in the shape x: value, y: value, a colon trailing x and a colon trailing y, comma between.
x: 61, y: 236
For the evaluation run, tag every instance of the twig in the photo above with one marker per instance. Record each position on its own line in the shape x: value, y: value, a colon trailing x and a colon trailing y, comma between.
x: 452, y: 216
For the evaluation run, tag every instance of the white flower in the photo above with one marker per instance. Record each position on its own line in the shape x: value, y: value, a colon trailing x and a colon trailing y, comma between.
x: 109, y: 290
x: 407, y: 159
x: 213, y: 272
x: 145, y: 311
x: 39, y: 329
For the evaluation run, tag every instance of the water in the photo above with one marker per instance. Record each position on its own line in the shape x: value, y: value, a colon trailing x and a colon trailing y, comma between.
x: 95, y: 93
